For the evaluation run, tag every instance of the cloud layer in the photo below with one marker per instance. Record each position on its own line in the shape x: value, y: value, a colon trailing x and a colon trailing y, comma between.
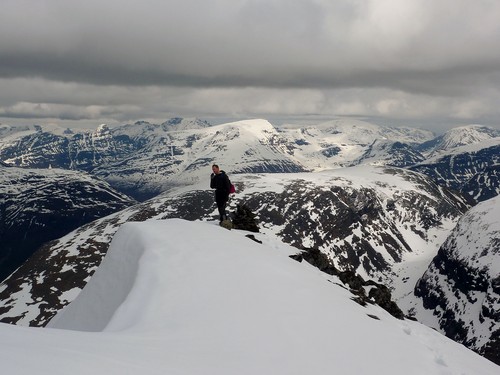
x: 412, y: 60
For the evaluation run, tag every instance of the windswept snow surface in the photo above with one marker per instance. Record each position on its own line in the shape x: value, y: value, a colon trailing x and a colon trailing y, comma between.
x: 178, y: 297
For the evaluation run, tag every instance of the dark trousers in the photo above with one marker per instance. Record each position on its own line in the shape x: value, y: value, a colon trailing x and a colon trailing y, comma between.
x: 221, y: 206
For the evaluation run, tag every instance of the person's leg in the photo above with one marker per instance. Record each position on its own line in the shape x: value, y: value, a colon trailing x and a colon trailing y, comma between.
x: 221, y: 206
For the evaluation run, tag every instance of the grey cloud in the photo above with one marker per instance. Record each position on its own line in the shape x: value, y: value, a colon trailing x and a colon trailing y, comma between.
x: 241, y: 43
x: 103, y: 53
x: 29, y: 110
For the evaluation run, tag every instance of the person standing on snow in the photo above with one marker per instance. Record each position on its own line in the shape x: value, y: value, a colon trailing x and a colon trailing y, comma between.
x: 220, y: 182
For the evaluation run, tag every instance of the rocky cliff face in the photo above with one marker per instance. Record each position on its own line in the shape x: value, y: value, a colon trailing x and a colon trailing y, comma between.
x: 461, y: 288
x: 366, y: 219
x: 38, y: 205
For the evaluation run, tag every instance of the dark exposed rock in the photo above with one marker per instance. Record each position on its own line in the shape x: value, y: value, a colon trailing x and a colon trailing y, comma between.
x: 252, y: 237
x: 244, y: 219
x: 475, y: 174
x: 378, y: 293
x: 492, y: 349
x: 382, y: 297
x: 484, y: 185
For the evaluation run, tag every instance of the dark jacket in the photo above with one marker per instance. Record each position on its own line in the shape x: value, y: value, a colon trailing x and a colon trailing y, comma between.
x: 220, y: 182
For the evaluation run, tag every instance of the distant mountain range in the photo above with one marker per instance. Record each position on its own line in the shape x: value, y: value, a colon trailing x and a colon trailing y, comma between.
x: 144, y: 159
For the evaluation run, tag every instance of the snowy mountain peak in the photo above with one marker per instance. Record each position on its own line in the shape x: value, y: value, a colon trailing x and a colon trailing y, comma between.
x: 102, y: 127
x: 101, y: 130
x: 255, y: 125
x: 179, y: 123
x: 458, y: 137
x: 466, y: 135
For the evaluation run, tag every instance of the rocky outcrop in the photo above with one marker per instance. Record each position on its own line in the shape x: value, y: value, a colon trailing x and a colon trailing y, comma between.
x: 364, y: 291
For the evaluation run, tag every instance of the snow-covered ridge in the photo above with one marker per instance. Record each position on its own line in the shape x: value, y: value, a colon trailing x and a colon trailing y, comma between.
x: 462, y: 149
x: 352, y: 131
x: 244, y: 308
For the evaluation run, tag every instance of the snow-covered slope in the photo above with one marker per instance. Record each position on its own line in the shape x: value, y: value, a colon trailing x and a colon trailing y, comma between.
x: 38, y: 205
x: 167, y: 302
x: 386, y: 152
x: 342, y: 142
x: 462, y: 285
x: 178, y: 123
x: 384, y: 223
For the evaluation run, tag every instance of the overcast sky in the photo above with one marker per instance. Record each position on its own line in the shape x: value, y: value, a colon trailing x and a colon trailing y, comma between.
x: 429, y: 63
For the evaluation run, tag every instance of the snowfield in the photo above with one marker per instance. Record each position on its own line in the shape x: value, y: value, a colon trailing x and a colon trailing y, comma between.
x: 179, y: 297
